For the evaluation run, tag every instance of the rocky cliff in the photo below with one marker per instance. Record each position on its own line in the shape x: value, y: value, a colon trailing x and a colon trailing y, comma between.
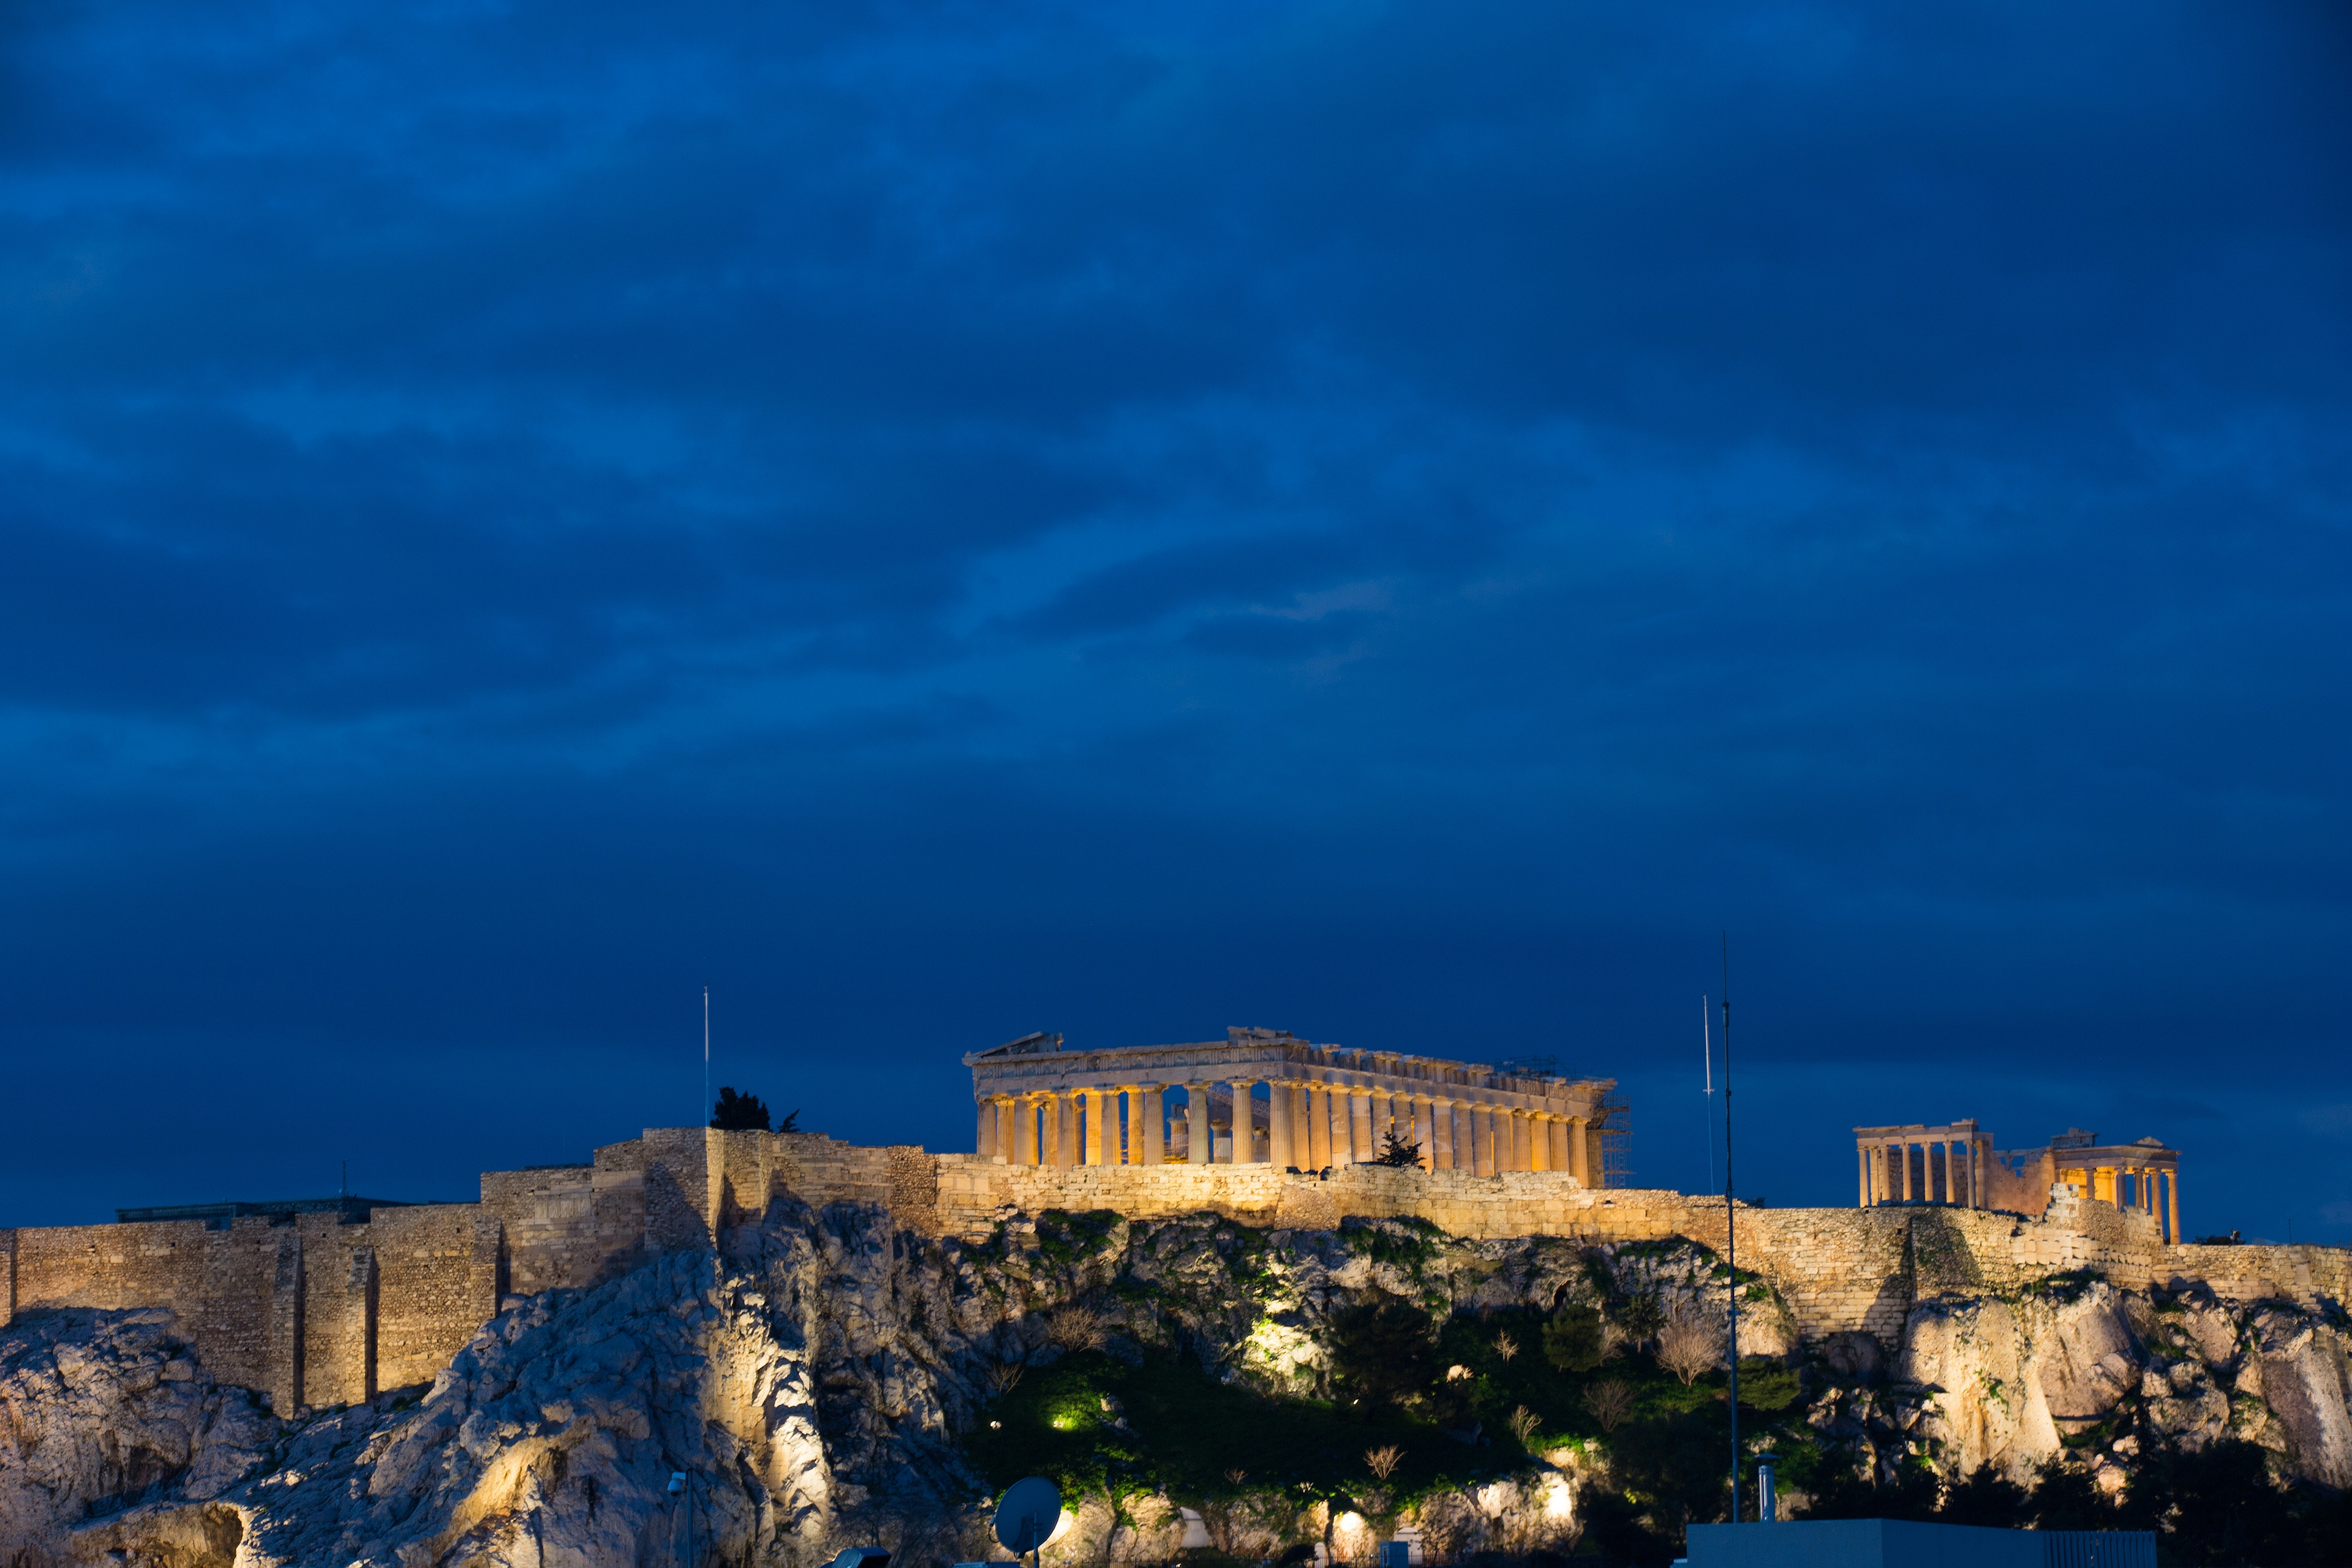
x: 826, y: 1378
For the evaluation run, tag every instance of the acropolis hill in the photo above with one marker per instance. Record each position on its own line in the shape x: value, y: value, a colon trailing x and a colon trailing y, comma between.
x: 910, y: 1274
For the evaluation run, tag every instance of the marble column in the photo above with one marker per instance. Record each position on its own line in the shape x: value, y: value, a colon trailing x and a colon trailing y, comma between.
x: 1025, y: 1130
x: 1580, y: 1150
x: 1245, y: 1146
x: 1065, y: 1128
x: 1482, y: 1137
x: 1559, y: 1130
x: 1097, y: 1144
x: 1366, y: 1147
x: 1150, y: 1146
x: 1302, y: 1124
x: 1196, y: 1123
x: 1424, y: 1129
x: 2172, y: 1205
x: 1539, y: 1140
x: 1441, y: 1137
x: 1318, y: 1127
x: 1278, y: 1151
x: 1862, y: 1178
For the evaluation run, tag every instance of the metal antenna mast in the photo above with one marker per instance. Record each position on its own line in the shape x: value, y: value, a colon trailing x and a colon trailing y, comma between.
x: 1730, y: 1228
x: 1706, y: 1046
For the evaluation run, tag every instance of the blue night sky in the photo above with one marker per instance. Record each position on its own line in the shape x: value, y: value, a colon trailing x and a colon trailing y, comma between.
x: 1395, y: 522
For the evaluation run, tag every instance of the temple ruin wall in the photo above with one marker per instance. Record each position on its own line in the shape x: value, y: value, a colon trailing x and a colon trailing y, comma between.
x: 314, y: 1311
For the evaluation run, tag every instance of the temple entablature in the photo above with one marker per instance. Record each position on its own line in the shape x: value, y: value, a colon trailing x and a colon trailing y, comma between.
x: 1265, y: 1096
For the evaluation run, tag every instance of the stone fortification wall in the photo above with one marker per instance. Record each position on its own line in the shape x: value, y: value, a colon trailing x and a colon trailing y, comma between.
x: 315, y: 1312
x: 1834, y: 1270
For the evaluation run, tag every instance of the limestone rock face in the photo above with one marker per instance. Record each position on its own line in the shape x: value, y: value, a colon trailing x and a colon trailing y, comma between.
x: 811, y: 1378
x: 2012, y: 1380
x: 2304, y: 1382
x: 102, y: 1410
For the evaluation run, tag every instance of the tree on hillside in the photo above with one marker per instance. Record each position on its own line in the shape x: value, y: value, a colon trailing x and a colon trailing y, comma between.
x: 1380, y: 1352
x: 1396, y: 1151
x: 740, y: 1112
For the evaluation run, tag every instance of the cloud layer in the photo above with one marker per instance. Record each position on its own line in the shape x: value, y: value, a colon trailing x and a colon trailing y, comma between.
x: 1382, y: 521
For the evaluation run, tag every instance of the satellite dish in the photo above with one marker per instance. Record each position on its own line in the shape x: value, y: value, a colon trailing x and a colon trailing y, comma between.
x: 1030, y: 1513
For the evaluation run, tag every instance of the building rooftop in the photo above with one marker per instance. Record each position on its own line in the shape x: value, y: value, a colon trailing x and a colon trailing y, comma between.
x: 354, y: 1209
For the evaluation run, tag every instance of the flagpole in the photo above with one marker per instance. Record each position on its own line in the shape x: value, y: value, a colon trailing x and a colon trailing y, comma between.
x: 1730, y: 1228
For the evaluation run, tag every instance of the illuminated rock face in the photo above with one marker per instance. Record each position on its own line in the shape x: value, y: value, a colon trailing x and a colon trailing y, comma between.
x: 812, y: 1373
x: 99, y: 1410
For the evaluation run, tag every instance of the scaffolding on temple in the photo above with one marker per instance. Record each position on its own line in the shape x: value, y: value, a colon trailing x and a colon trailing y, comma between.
x: 1615, y: 1125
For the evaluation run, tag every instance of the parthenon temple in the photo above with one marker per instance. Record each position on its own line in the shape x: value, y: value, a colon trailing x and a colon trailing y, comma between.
x: 1957, y: 1163
x: 1040, y: 1104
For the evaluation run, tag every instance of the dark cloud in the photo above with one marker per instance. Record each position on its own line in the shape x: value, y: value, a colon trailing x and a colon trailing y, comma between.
x: 1396, y: 523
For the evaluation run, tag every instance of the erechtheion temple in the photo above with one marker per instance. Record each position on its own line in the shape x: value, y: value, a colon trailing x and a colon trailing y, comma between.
x: 1957, y: 1164
x: 1322, y: 1106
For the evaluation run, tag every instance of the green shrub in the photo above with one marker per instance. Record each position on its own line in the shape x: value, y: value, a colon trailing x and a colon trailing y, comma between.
x: 1575, y: 1340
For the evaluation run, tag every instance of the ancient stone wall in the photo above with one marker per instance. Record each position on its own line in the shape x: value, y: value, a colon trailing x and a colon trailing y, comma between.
x: 315, y: 1312
x: 436, y: 1282
x: 1834, y: 1270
